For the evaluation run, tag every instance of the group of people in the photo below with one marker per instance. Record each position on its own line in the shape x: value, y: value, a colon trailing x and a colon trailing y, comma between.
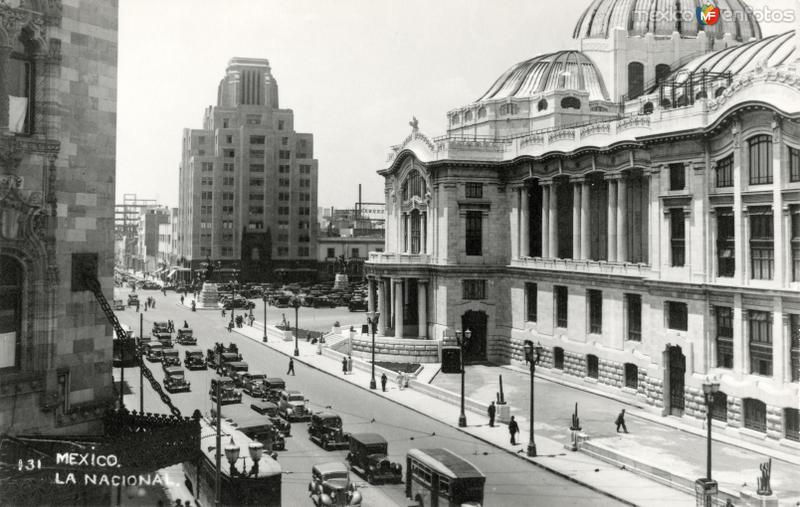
x: 239, y: 320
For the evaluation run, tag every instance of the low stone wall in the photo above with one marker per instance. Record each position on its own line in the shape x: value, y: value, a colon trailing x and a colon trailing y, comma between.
x: 393, y: 349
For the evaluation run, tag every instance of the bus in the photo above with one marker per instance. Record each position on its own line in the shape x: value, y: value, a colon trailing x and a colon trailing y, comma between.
x: 124, y: 353
x: 238, y: 488
x: 442, y: 478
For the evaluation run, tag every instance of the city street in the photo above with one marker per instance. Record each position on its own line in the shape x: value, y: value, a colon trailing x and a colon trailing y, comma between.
x: 510, y: 481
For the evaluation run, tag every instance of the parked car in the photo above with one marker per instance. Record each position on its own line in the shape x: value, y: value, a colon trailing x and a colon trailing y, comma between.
x: 330, y: 485
x: 253, y: 383
x: 282, y: 301
x: 367, y: 457
x: 234, y: 370
x: 215, y: 358
x: 325, y: 430
x: 323, y: 302
x: 271, y: 410
x: 193, y: 359
x: 228, y: 393
x: 170, y: 357
x: 160, y: 326
x: 357, y: 304
x: 292, y: 406
x: 153, y: 351
x: 273, y: 387
x: 119, y: 305
x: 175, y: 380
x: 186, y: 336
x: 133, y: 299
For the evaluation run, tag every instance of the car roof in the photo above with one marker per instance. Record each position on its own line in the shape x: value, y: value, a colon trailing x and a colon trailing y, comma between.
x: 184, y: 329
x: 237, y: 363
x: 368, y: 438
x: 446, y: 462
x: 194, y: 351
x: 274, y: 380
x: 153, y: 343
x: 254, y: 373
x: 173, y: 369
x: 327, y: 415
x: 223, y: 379
x: 230, y: 354
x: 170, y: 351
x: 331, y: 466
x: 263, y: 404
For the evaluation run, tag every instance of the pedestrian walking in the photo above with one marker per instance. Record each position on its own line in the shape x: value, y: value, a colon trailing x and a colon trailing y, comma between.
x: 223, y: 312
x: 291, y: 367
x: 349, y: 364
x: 185, y: 325
x: 621, y: 421
x: 137, y: 307
x: 153, y: 304
x: 194, y: 306
x: 383, y: 381
x: 513, y: 428
x: 344, y: 366
x: 230, y: 325
x: 492, y: 411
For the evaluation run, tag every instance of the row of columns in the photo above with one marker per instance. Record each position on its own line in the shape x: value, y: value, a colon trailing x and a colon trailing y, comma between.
x: 391, y: 301
x: 423, y: 232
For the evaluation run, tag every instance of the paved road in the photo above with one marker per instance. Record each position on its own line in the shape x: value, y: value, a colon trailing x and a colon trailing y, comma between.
x: 510, y: 481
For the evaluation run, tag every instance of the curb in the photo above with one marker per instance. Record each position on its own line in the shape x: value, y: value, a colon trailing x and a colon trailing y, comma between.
x: 513, y: 453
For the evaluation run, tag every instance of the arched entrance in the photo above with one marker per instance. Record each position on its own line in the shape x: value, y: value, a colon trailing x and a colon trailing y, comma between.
x: 477, y: 323
x: 674, y: 373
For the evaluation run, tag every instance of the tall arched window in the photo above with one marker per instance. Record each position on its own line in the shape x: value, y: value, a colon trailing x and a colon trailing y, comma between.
x: 635, y: 79
x: 570, y: 103
x: 11, y: 284
x: 416, y: 232
x: 631, y: 376
x: 414, y: 186
x: 755, y: 414
x: 662, y: 72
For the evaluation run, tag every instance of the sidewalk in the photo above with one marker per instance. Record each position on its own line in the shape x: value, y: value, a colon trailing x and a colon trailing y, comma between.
x: 663, y: 448
x: 591, y: 472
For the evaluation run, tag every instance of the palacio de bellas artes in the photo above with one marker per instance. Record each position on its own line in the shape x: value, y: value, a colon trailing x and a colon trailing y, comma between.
x: 575, y: 281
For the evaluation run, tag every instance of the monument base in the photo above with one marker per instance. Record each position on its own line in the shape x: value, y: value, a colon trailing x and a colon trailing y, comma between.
x: 503, y: 413
x: 208, y: 297
x: 341, y: 282
x: 755, y: 500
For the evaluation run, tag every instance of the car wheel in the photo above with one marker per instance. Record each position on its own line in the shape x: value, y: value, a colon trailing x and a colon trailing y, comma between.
x: 371, y: 478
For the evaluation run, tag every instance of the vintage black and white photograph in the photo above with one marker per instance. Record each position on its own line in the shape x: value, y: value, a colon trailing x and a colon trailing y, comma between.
x: 393, y: 253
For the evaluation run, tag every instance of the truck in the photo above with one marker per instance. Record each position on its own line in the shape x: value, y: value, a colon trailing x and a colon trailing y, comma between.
x: 368, y: 458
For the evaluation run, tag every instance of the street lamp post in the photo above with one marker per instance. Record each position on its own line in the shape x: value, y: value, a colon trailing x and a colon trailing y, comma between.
x: 709, y: 486
x: 296, y: 306
x: 372, y: 320
x: 233, y: 301
x: 532, y: 354
x: 462, y: 344
x: 264, y: 298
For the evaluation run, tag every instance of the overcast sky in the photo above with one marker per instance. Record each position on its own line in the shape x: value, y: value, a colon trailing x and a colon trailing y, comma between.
x: 353, y: 71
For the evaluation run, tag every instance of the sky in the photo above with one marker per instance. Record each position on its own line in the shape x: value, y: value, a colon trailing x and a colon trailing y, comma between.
x: 353, y: 71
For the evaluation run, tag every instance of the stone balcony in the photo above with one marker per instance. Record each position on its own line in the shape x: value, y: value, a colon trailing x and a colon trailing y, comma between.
x: 398, y: 258
x: 584, y: 266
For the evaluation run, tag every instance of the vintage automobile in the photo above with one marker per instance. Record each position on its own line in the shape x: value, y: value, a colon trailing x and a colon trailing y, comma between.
x: 357, y: 304
x: 272, y: 389
x: 175, y: 380
x: 119, y: 305
x: 218, y: 355
x: 234, y: 370
x: 170, y: 357
x: 325, y: 430
x: 164, y: 337
x: 330, y: 485
x: 152, y: 351
x: 186, y: 336
x: 253, y: 383
x: 160, y: 326
x: 228, y: 393
x: 292, y: 406
x: 256, y: 427
x: 193, y: 360
x: 133, y: 299
x: 271, y: 410
x: 367, y: 457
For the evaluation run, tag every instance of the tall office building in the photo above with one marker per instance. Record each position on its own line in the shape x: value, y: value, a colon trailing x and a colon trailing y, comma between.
x: 248, y: 180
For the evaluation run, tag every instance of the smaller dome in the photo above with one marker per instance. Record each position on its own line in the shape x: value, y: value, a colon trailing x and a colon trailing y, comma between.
x: 562, y: 70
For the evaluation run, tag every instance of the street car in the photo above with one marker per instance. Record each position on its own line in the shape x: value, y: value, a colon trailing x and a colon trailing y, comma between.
x: 175, y: 379
x: 271, y: 410
x: 368, y: 458
x: 153, y: 351
x: 193, y: 359
x: 325, y: 430
x: 330, y: 485
x: 273, y: 387
x: 228, y: 393
x: 170, y: 357
x: 292, y: 406
x: 186, y: 336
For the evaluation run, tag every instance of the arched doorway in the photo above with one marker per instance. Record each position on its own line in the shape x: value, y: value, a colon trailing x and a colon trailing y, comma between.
x: 477, y: 323
x: 674, y: 373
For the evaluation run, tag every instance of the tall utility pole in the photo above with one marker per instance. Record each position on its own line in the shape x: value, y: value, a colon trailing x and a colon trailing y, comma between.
x: 141, y: 361
x: 218, y: 474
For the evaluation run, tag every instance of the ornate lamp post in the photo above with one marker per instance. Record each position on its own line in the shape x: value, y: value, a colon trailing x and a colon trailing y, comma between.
x: 462, y: 341
x: 295, y: 303
x: 264, y: 299
x: 709, y: 486
x: 532, y: 354
x: 372, y: 320
x: 256, y: 450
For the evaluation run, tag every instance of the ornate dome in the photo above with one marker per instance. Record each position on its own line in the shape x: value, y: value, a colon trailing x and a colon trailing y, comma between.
x: 774, y: 50
x: 660, y: 17
x: 566, y: 70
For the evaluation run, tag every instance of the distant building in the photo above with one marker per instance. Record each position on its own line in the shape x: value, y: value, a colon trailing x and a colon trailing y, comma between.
x: 126, y: 229
x: 354, y: 250
x: 248, y: 181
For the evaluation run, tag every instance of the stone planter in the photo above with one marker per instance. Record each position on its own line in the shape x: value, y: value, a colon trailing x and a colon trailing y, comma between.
x: 503, y: 413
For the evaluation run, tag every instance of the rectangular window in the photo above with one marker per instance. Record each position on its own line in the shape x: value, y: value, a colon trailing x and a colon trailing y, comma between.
x: 255, y: 225
x: 724, y: 317
x: 677, y: 176
x: 253, y: 119
x: 280, y: 124
x: 726, y: 258
x: 256, y: 168
x: 284, y: 182
x: 725, y: 172
x: 283, y: 196
x: 354, y: 253
x: 284, y: 141
x: 677, y: 236
x: 227, y: 196
x: 474, y: 289
x: 760, y: 149
x: 762, y: 245
x: 677, y: 316
x: 474, y: 233
x: 283, y: 251
x: 206, y: 209
x: 283, y: 210
x: 474, y: 190
x: 227, y: 251
x: 283, y: 237
x: 256, y: 197
x: 283, y: 169
x: 227, y: 224
x: 206, y: 196
x: 227, y: 180
x: 592, y: 366
x: 201, y: 139
x: 794, y: 164
x: 225, y: 123
x: 257, y: 154
x: 207, y: 182
x: 227, y: 236
x: 302, y: 251
x: 305, y: 169
x: 304, y: 196
x: 284, y: 154
x: 634, y: 320
x: 791, y: 424
x: 227, y: 167
x: 304, y: 211
x: 561, y: 296
x: 531, y: 293
x: 229, y: 139
x: 595, y: 307
x: 794, y: 345
x: 257, y: 139
x: 229, y: 153
x: 331, y: 253
x: 207, y: 167
x: 305, y: 183
x: 256, y: 210
x: 795, y: 242
x: 228, y: 210
x: 20, y: 94
x: 256, y: 182
x: 760, y: 327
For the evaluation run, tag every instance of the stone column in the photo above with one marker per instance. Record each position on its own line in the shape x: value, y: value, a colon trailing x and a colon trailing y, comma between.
x: 422, y: 310
x: 611, y: 230
x: 778, y: 149
x: 622, y: 220
x: 739, y: 239
x: 514, y: 223
x: 5, y: 52
x: 739, y: 334
x: 655, y: 250
x: 407, y: 225
x: 370, y: 297
x: 746, y: 246
x: 546, y: 186
x: 576, y: 219
x: 787, y: 351
x: 385, y: 315
x: 585, y: 248
x: 712, y: 234
x: 524, y: 224
x: 779, y: 340
x: 398, y: 307
x: 787, y: 246
x: 552, y: 228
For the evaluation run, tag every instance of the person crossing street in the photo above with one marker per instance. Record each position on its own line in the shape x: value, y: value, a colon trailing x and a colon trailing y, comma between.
x: 384, y: 379
x: 291, y: 367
